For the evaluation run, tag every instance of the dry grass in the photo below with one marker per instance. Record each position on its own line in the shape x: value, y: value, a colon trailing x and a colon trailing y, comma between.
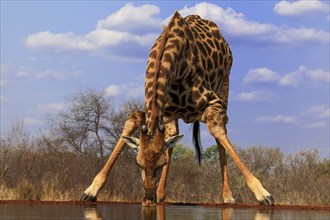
x: 30, y: 173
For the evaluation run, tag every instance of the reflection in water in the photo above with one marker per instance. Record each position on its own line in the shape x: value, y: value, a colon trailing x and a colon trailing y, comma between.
x: 228, y: 214
x: 147, y: 213
x: 129, y: 212
x: 152, y: 213
x: 263, y: 215
x: 90, y: 213
x: 158, y: 213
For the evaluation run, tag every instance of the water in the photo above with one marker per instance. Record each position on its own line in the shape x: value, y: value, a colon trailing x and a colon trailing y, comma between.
x: 132, y: 212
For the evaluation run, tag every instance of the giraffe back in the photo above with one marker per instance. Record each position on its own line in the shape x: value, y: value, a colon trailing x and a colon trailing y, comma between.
x: 186, y: 70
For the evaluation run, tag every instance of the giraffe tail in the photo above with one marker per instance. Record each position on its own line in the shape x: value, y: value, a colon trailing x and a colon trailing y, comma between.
x: 197, y: 141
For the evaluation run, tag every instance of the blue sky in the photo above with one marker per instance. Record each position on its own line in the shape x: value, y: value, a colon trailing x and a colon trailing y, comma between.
x: 279, y: 94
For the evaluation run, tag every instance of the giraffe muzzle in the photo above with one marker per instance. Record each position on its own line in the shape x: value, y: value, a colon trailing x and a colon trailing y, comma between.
x: 149, y: 200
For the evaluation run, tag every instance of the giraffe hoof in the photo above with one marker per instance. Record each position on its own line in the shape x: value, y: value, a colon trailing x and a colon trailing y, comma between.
x: 268, y: 200
x: 230, y: 201
x: 87, y: 198
x: 161, y: 199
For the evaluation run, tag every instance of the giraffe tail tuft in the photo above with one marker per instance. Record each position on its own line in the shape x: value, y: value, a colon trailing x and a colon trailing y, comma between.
x: 197, y: 141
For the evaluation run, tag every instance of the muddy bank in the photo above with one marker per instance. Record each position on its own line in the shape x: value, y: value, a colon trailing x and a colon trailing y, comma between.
x: 215, y: 205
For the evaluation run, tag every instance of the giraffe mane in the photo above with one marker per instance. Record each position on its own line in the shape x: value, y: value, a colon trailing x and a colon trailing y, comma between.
x: 155, y: 115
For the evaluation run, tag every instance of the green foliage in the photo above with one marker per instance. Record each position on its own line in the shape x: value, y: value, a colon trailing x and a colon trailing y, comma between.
x: 182, y: 152
x: 211, y: 153
x: 324, y: 167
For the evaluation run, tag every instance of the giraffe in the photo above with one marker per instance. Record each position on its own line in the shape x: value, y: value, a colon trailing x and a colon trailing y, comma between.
x: 187, y: 77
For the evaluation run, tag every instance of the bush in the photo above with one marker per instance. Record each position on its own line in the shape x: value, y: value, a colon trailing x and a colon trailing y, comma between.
x: 28, y: 170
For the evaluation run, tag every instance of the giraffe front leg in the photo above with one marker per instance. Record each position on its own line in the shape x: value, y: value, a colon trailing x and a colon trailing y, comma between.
x: 226, y: 191
x: 215, y: 122
x: 171, y: 129
x: 162, y: 181
x: 131, y: 124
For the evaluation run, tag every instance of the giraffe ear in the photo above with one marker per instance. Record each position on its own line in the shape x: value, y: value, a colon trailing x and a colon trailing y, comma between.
x: 131, y: 141
x: 172, y: 141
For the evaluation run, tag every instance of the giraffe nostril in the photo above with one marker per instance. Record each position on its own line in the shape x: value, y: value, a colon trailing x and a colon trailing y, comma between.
x: 151, y: 199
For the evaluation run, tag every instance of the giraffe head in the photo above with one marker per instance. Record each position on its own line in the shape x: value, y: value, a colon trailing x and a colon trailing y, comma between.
x: 151, y: 157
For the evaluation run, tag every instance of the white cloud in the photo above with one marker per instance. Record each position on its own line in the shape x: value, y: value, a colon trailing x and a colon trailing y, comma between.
x: 318, y: 75
x: 32, y: 121
x: 261, y: 75
x: 51, y: 73
x: 228, y: 19
x: 129, y: 90
x: 277, y: 119
x: 141, y: 25
x: 93, y: 41
x: 8, y: 70
x: 286, y: 35
x: 320, y: 111
x: 51, y: 107
x: 137, y: 91
x: 320, y: 124
x: 301, y: 7
x: 57, y: 42
x: 302, y: 75
x: 259, y: 96
x: 291, y: 79
x: 129, y: 25
x: 137, y: 15
x: 113, y: 90
x: 235, y: 24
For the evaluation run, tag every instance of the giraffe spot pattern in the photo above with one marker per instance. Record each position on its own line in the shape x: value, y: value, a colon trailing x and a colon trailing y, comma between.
x: 194, y: 64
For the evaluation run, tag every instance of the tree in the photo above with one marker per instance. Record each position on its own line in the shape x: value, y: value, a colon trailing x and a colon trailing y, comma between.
x: 118, y: 117
x: 181, y: 151
x: 83, y: 125
x: 262, y: 160
x: 90, y: 122
x: 16, y: 136
x: 211, y: 154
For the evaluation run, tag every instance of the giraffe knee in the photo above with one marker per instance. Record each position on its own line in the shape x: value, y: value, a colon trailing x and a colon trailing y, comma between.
x: 225, y: 119
x: 217, y: 130
x: 134, y: 120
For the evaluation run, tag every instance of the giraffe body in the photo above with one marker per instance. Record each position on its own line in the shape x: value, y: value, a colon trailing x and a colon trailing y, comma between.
x: 194, y: 63
x: 187, y: 77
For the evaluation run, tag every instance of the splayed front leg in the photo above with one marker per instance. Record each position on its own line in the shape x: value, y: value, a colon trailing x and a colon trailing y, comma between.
x: 226, y: 191
x: 261, y: 194
x: 132, y: 123
x: 90, y: 194
x: 171, y: 129
x: 216, y: 120
x: 163, y: 177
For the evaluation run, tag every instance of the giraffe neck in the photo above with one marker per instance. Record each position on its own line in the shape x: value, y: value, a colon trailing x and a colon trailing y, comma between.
x: 157, y: 77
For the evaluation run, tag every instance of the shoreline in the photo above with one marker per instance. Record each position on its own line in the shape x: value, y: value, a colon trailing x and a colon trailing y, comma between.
x: 211, y: 205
